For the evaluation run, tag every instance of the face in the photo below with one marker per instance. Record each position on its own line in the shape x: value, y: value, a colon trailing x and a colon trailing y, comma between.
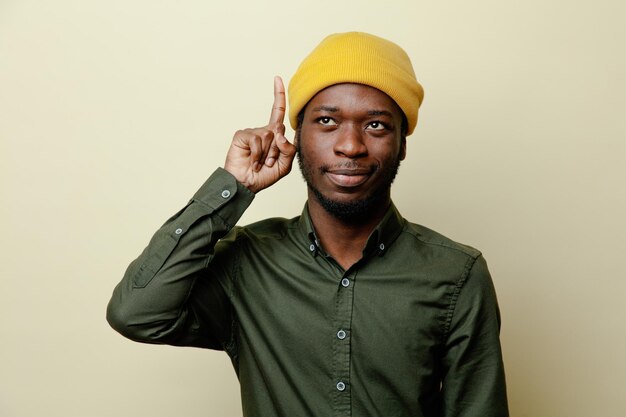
x: 350, y: 145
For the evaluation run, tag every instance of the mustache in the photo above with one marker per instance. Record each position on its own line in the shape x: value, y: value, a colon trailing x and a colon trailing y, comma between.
x: 348, y: 166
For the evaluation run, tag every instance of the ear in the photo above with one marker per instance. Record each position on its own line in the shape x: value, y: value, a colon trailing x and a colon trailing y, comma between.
x: 296, y: 136
x: 402, y: 148
x: 298, y: 132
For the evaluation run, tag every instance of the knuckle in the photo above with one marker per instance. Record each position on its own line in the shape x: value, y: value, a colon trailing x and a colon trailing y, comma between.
x: 275, y: 126
x: 267, y: 135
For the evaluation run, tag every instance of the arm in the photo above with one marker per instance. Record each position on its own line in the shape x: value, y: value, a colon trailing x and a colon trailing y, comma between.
x: 473, y: 383
x: 173, y: 292
x: 149, y: 304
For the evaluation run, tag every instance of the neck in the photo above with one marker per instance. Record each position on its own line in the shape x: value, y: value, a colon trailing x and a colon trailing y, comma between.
x: 344, y: 239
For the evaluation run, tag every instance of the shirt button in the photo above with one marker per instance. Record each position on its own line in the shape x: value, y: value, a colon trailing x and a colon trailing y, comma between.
x: 341, y: 334
x: 341, y: 386
x: 345, y: 282
x: 225, y: 194
x: 312, y: 247
x: 382, y: 246
x: 178, y: 231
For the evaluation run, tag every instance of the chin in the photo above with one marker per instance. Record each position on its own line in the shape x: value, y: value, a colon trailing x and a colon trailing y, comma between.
x: 350, y: 209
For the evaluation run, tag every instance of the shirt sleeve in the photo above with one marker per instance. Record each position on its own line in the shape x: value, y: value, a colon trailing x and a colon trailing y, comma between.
x: 473, y: 383
x: 157, y: 299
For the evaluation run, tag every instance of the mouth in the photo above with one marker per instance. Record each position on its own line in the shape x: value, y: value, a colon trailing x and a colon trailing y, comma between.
x: 348, y: 178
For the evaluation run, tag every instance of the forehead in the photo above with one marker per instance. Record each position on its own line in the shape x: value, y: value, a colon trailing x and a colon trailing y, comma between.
x: 354, y: 97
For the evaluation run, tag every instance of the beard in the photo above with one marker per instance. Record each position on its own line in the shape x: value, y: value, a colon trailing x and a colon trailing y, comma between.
x: 350, y: 211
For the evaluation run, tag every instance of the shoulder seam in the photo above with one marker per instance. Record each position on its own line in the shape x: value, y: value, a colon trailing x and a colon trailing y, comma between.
x: 466, y: 250
x: 455, y: 294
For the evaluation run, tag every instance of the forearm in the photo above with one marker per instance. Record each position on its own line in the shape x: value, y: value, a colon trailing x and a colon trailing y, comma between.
x: 150, y: 303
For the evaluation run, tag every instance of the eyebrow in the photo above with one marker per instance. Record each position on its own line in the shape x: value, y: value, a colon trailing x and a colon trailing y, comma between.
x: 331, y: 109
x: 379, y: 113
x: 326, y: 108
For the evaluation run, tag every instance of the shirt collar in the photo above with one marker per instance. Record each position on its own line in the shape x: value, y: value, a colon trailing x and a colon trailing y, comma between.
x: 379, y: 241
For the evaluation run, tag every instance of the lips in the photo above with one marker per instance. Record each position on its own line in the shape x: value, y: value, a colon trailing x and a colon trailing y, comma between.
x: 348, y: 178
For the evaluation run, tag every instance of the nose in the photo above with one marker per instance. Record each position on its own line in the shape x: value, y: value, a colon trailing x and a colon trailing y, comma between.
x: 350, y: 142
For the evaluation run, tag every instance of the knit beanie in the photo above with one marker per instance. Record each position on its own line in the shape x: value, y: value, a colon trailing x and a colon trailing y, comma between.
x: 361, y: 58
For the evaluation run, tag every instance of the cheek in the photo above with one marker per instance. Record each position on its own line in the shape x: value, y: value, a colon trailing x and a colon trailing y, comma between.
x: 385, y: 152
x: 312, y: 146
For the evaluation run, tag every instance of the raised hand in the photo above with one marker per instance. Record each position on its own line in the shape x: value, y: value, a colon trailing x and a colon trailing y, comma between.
x: 259, y: 157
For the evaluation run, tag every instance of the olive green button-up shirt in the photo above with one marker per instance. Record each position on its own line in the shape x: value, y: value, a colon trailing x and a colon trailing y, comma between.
x: 412, y: 329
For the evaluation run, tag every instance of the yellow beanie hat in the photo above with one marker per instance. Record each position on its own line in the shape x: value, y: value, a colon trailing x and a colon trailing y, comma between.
x: 361, y: 58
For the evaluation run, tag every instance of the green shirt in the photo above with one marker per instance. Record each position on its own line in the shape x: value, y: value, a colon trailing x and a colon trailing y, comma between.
x: 412, y: 329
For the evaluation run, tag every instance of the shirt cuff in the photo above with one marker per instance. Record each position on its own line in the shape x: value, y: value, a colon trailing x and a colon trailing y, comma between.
x: 223, y: 194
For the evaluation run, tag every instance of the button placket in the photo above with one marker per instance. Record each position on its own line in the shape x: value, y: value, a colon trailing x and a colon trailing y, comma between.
x: 341, y: 341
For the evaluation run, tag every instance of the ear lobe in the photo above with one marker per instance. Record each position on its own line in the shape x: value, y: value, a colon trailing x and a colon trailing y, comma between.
x: 403, y: 148
x: 296, y: 136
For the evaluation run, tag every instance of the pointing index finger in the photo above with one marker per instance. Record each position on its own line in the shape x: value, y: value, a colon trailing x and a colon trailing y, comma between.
x: 280, y: 102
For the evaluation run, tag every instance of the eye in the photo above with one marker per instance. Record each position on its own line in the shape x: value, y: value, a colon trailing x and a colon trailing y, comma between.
x: 326, y: 121
x: 376, y: 125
